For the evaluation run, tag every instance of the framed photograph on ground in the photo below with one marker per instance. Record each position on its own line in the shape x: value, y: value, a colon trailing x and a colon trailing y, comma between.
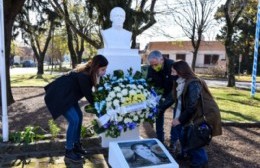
x: 140, y: 153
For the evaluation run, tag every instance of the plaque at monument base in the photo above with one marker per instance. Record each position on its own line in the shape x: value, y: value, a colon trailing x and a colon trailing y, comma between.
x: 146, y: 153
x: 128, y: 135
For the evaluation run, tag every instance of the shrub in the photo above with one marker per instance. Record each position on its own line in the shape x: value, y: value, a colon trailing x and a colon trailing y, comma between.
x: 54, y: 129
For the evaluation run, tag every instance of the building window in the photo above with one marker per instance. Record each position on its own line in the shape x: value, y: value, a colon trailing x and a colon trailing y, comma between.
x: 165, y: 55
x: 211, y: 59
x: 181, y: 57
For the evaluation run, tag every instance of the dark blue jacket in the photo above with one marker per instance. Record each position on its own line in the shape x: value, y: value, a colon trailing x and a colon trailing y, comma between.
x: 66, y: 91
x: 162, y: 80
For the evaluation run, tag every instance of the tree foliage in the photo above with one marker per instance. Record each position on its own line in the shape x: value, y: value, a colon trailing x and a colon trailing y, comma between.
x: 231, y: 12
x: 243, y: 37
x: 194, y: 17
x: 139, y: 17
x: 37, y: 21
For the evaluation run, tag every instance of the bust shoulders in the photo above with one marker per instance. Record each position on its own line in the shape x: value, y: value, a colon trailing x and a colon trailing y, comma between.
x: 116, y: 38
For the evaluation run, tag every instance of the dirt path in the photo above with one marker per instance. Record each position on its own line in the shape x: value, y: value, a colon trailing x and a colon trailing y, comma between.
x: 238, y: 147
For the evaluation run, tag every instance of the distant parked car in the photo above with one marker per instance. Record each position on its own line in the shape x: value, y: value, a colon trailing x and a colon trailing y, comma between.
x: 29, y: 63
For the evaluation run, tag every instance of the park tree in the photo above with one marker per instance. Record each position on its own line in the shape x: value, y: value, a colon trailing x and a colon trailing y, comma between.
x: 246, y: 36
x: 57, y: 47
x: 11, y: 9
x: 231, y: 12
x: 194, y: 17
x: 140, y: 16
x: 37, y: 22
x: 76, y: 12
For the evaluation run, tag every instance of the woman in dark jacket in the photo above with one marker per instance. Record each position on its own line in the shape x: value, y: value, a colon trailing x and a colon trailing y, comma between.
x: 63, y: 94
x: 189, y: 106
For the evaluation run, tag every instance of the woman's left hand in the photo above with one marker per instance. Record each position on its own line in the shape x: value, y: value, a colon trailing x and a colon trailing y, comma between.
x: 175, y: 122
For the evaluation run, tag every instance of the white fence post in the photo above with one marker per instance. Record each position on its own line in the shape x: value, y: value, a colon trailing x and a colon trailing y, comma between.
x: 3, y: 76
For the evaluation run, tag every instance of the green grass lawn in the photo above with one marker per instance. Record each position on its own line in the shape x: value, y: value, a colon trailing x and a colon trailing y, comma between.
x: 237, y: 105
x: 31, y: 80
x: 246, y: 78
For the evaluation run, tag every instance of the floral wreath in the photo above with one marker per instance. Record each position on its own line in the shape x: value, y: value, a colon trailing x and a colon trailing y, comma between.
x: 122, y: 102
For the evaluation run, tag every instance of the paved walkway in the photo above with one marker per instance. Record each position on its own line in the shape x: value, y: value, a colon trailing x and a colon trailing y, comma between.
x: 223, y: 83
x: 50, y: 154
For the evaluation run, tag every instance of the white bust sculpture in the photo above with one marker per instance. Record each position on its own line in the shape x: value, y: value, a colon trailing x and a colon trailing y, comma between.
x: 117, y: 36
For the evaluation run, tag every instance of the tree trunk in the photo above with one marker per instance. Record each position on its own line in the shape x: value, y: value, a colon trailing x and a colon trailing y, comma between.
x: 11, y: 9
x: 231, y: 67
x: 40, y: 69
x: 73, y: 55
x: 195, y: 53
x: 246, y: 59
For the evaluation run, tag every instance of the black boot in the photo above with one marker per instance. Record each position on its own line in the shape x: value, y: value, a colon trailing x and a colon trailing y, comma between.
x: 80, y: 150
x: 71, y: 155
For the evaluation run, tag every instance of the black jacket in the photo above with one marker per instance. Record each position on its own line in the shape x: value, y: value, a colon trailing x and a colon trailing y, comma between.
x: 66, y: 91
x: 162, y: 80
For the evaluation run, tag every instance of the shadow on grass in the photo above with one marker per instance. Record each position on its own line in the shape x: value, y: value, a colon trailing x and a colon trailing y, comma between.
x: 237, y: 114
x: 248, y: 103
x: 23, y: 78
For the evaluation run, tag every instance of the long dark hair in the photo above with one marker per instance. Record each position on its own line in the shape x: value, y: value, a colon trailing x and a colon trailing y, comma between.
x: 183, y: 69
x: 92, y: 66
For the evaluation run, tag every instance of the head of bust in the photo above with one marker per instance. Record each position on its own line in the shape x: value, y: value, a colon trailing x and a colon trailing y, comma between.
x: 117, y: 16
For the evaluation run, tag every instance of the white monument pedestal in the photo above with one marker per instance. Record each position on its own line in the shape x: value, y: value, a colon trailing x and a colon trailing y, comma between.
x: 128, y: 135
x: 121, y: 59
x: 126, y: 154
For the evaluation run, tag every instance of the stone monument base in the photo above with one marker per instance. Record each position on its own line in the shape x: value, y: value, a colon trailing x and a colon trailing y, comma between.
x: 128, y: 135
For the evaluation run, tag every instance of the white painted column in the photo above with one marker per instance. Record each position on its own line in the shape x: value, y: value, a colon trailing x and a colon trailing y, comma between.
x: 3, y: 76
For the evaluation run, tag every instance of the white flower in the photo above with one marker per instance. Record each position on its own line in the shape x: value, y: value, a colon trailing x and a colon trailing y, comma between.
x: 127, y: 120
x: 116, y: 103
x: 133, y: 86
x: 117, y: 89
x: 132, y: 92
x: 109, y: 105
x: 124, y: 92
x: 112, y: 94
x: 119, y: 118
x: 109, y: 98
x: 119, y: 95
x: 140, y: 86
x: 135, y: 118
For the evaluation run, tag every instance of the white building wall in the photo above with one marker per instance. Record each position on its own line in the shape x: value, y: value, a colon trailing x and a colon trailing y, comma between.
x: 189, y: 56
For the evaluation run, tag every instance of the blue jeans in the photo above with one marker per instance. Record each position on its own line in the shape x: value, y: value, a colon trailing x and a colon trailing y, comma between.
x: 74, y: 117
x: 199, y: 156
x: 159, y: 126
